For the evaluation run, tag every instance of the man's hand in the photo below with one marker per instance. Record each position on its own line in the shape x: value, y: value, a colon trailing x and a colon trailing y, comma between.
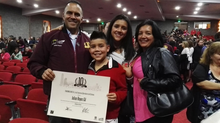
x: 48, y: 75
x: 112, y: 97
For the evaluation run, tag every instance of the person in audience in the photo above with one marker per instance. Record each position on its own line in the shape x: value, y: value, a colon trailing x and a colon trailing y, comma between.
x: 20, y: 43
x: 27, y: 52
x: 206, y: 85
x: 2, y: 44
x: 151, y: 53
x: 12, y: 44
x: 119, y: 37
x: 105, y: 27
x: 190, y: 58
x: 184, y: 62
x: 5, y: 56
x: 32, y: 41
x: 197, y: 53
x: 217, y: 36
x: 107, y: 66
x: 49, y: 53
x: 17, y: 55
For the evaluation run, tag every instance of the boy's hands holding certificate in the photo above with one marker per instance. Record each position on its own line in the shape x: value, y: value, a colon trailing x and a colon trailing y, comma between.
x: 112, y: 97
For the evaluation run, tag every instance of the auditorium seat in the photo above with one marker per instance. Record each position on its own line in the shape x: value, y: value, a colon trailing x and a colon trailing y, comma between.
x: 6, y: 76
x: 37, y: 95
x: 2, y: 67
x: 35, y: 85
x: 6, y: 64
x: 32, y: 109
x: 15, y: 61
x: 22, y: 65
x: 28, y: 120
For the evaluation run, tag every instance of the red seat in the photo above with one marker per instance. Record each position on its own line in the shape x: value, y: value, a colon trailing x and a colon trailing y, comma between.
x: 5, y: 111
x: 9, y: 93
x: 2, y: 67
x: 14, y: 69
x: 6, y: 76
x: 28, y: 120
x: 12, y: 91
x: 16, y: 61
x: 35, y: 85
x: 32, y: 109
x: 37, y: 95
x: 26, y: 70
x: 25, y: 78
x: 6, y: 64
x: 22, y: 65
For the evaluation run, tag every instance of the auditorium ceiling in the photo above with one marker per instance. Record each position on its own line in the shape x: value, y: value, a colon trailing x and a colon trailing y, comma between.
x: 159, y: 10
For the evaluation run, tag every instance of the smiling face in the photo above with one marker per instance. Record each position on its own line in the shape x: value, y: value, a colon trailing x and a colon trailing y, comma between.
x: 72, y: 16
x: 119, y: 30
x: 98, y: 49
x: 145, y: 36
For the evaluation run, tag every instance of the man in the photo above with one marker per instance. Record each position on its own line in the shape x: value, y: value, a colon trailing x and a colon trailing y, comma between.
x: 197, y: 53
x: 62, y: 50
x: 217, y: 36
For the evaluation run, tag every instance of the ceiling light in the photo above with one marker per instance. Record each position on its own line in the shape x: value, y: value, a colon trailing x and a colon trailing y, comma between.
x: 124, y: 9
x: 36, y: 6
x: 177, y: 16
x: 197, y: 9
x: 129, y: 12
x: 98, y: 19
x: 200, y: 4
x: 87, y: 21
x: 195, y: 12
x: 135, y: 17
x: 57, y: 12
x: 177, y: 7
x: 119, y: 5
x: 19, y: 1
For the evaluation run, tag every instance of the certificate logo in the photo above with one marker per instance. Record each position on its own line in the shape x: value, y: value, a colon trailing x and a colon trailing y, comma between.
x: 80, y: 82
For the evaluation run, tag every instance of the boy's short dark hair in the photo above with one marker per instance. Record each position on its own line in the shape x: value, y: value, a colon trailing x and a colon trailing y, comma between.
x: 98, y: 34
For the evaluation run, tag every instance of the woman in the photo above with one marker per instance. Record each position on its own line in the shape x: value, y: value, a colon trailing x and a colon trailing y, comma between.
x: 27, y: 52
x: 119, y: 36
x: 190, y: 58
x: 184, y: 62
x: 5, y: 56
x: 206, y: 85
x: 16, y: 55
x: 165, y: 72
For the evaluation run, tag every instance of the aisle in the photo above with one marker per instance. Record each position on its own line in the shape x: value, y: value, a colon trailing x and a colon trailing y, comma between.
x: 181, y: 117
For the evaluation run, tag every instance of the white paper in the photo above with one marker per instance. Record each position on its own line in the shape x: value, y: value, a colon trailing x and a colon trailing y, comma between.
x: 79, y: 96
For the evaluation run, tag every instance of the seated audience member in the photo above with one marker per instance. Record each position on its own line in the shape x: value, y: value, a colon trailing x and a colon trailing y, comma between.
x: 27, y: 52
x: 16, y: 55
x: 5, y: 56
x: 106, y: 66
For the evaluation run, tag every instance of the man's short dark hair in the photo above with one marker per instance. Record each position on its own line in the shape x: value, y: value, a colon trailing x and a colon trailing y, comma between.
x: 76, y: 2
x: 98, y: 35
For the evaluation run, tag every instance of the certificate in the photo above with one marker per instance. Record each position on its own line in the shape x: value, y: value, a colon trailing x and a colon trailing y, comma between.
x: 79, y: 96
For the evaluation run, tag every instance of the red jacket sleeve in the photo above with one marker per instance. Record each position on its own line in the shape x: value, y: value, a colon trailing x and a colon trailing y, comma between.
x: 121, y: 86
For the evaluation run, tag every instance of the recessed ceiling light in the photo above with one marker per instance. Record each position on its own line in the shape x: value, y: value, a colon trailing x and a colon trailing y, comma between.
x: 57, y: 12
x: 129, y: 12
x: 195, y: 12
x: 135, y: 17
x: 200, y: 4
x: 98, y: 19
x: 177, y: 16
x: 197, y: 9
x: 87, y: 21
x: 124, y: 9
x: 19, y: 1
x: 119, y: 5
x: 177, y: 7
x: 36, y: 5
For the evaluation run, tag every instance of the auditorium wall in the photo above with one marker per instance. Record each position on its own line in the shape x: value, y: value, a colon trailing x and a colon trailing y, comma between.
x: 14, y: 23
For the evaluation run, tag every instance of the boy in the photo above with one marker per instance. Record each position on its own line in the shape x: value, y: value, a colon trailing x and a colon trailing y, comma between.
x: 106, y: 66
